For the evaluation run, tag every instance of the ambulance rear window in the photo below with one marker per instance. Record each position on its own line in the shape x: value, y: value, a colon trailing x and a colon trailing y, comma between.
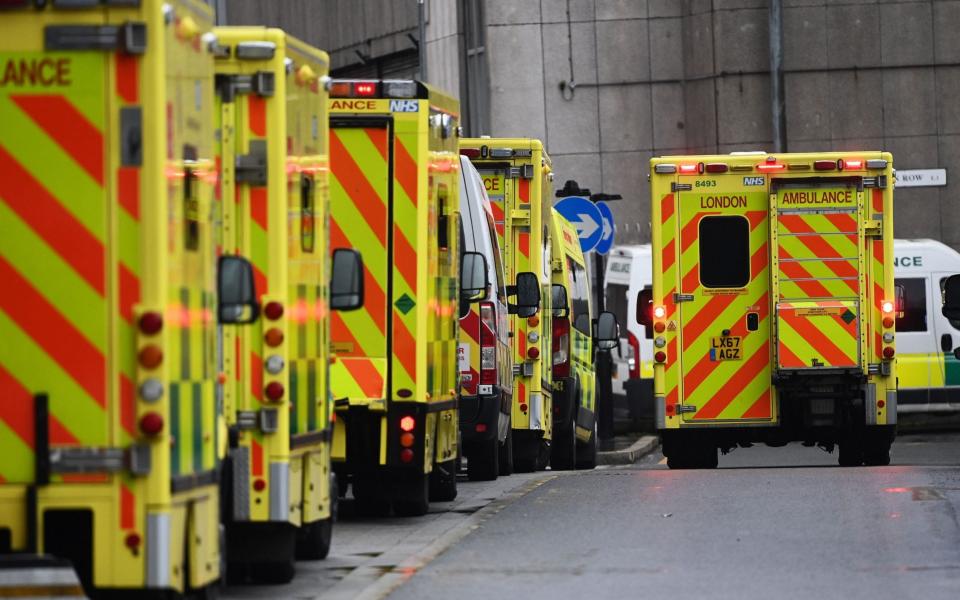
x: 724, y: 252
x: 911, y: 295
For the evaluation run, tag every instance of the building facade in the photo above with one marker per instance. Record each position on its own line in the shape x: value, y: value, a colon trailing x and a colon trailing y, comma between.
x: 609, y: 83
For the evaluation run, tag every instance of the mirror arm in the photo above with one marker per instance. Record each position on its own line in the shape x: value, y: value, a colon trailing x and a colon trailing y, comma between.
x: 511, y: 290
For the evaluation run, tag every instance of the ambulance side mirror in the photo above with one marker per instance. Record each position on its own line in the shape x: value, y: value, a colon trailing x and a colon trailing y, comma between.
x: 645, y: 310
x: 951, y: 297
x: 608, y: 331
x: 559, y: 303
x: 236, y: 291
x: 527, y: 292
x: 474, y: 277
x: 346, y: 281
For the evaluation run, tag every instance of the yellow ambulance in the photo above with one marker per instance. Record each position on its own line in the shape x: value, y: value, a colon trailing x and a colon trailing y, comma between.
x: 517, y: 175
x: 773, y: 304
x: 394, y: 194
x: 109, y: 424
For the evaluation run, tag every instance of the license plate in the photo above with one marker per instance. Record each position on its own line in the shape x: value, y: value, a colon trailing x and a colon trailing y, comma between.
x: 726, y: 348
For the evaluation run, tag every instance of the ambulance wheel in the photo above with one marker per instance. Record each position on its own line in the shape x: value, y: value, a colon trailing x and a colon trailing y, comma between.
x: 587, y: 453
x: 443, y: 481
x: 525, y: 456
x: 483, y: 463
x: 877, y: 454
x: 412, y: 498
x: 563, y: 453
x: 274, y: 572
x: 850, y: 453
x: 506, y: 454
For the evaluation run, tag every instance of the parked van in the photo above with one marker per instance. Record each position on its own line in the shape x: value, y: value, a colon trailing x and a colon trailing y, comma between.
x: 628, y: 273
x: 484, y: 353
x: 929, y: 374
x: 574, y: 371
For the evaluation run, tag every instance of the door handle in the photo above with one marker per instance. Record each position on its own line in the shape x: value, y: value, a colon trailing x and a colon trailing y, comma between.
x: 946, y: 342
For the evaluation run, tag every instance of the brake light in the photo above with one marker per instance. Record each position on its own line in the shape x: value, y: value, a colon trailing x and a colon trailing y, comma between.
x: 273, y: 310
x: 850, y: 164
x: 488, y: 344
x: 635, y: 346
x: 771, y: 166
x: 151, y: 423
x: 659, y: 312
x: 408, y: 423
x: 824, y: 165
x: 716, y: 167
x: 888, y: 352
x: 660, y: 356
x: 561, y: 347
x: 689, y: 169
x: 365, y: 89
x: 274, y: 390
x: 470, y: 152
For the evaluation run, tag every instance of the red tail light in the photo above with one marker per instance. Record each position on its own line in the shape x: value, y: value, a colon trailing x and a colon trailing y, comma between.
x: 470, y: 152
x: 888, y: 352
x: 408, y: 423
x: 273, y: 310
x: 274, y: 390
x: 635, y: 345
x: 151, y: 423
x: 488, y: 344
x: 365, y: 88
x: 561, y: 347
x: 150, y: 322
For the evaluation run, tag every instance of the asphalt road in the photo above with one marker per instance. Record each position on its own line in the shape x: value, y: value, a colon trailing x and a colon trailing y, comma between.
x: 769, y: 523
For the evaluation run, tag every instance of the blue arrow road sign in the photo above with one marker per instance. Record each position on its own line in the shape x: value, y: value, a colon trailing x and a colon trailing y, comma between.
x: 606, y: 238
x: 585, y: 217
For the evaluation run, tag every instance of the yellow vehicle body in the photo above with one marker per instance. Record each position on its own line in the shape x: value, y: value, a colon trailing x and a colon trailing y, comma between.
x: 772, y: 303
x: 517, y: 175
x: 394, y: 193
x: 574, y: 372
x: 108, y: 424
x: 274, y: 209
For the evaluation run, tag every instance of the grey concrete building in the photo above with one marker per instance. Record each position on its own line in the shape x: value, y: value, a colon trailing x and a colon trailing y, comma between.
x: 609, y: 83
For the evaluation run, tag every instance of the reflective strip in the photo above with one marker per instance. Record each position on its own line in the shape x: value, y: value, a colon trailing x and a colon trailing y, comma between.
x: 158, y: 550
x: 279, y: 491
x: 870, y: 404
x: 891, y: 407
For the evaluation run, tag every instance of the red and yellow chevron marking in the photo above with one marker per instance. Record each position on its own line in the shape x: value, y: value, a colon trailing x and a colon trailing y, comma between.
x: 53, y: 262
x: 359, y: 189
x: 818, y: 334
x: 403, y: 373
x: 668, y: 273
x: 818, y: 255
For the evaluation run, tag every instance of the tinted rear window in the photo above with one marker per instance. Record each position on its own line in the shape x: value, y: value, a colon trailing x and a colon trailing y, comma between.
x: 724, y: 252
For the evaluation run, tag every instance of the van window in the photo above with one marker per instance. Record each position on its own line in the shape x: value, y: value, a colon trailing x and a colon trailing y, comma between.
x: 953, y: 322
x: 616, y: 301
x: 724, y: 252
x: 498, y: 265
x: 579, y: 291
x: 911, y: 304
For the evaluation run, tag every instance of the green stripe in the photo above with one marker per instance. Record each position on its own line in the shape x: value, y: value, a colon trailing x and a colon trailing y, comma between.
x: 175, y: 448
x: 294, y: 398
x: 198, y: 422
x: 312, y: 397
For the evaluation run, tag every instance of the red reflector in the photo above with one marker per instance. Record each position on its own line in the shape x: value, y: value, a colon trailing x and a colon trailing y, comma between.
x: 407, y: 423
x: 660, y: 356
x: 470, y: 152
x: 151, y: 423
x: 533, y: 352
x: 671, y: 408
x: 150, y: 357
x: 533, y: 321
x: 689, y: 169
x: 273, y: 337
x: 273, y: 310
x: 764, y: 167
x: 406, y: 455
x: 850, y: 165
x: 366, y: 88
x: 881, y: 403
x: 824, y: 165
x: 150, y: 322
x: 274, y: 390
x: 888, y: 352
x: 404, y: 393
x: 716, y: 167
x: 481, y: 427
x: 259, y: 485
x: 132, y: 540
x: 659, y: 326
x: 523, y: 407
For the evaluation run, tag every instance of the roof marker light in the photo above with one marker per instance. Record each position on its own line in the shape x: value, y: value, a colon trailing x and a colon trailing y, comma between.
x: 688, y: 169
x: 365, y: 88
x: 825, y: 165
x: 665, y: 169
x: 716, y: 167
x: 850, y: 164
x: 765, y: 167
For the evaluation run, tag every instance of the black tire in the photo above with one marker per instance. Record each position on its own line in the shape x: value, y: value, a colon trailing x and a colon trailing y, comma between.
x: 274, y: 573
x: 877, y: 454
x: 526, y: 456
x: 587, y: 453
x: 506, y: 454
x: 563, y: 450
x: 483, y: 463
x: 850, y: 453
x: 443, y: 482
x: 413, y: 498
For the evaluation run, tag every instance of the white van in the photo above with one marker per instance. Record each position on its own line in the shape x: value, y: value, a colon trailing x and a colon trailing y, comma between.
x: 928, y: 374
x: 483, y: 345
x: 628, y: 272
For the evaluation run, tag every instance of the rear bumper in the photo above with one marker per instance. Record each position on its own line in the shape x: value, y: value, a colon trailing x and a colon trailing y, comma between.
x: 481, y: 410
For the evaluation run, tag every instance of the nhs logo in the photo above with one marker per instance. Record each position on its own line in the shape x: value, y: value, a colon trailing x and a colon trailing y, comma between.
x: 404, y: 106
x: 753, y: 181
